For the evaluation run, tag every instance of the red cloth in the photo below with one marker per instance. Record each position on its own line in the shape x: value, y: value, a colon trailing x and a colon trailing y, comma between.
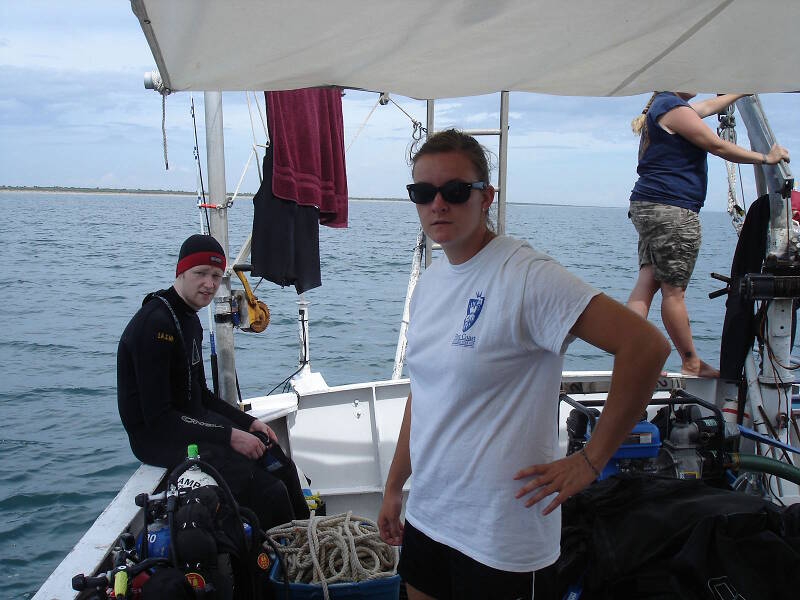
x: 795, y: 205
x: 306, y: 131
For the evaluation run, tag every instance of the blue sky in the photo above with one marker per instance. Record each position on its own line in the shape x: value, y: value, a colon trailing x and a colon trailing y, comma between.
x: 74, y: 112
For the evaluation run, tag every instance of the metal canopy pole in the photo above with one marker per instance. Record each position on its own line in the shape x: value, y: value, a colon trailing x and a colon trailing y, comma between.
x: 215, y: 156
x: 502, y: 166
x: 775, y: 381
x: 777, y: 181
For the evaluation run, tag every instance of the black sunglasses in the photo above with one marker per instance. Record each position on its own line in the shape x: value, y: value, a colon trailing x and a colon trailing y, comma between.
x: 453, y: 192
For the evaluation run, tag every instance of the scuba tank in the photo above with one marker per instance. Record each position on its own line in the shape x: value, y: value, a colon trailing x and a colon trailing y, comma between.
x: 158, y: 531
x: 212, y: 544
x: 194, y: 477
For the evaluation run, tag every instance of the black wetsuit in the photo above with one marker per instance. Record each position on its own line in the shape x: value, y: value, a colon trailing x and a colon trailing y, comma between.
x: 163, y: 416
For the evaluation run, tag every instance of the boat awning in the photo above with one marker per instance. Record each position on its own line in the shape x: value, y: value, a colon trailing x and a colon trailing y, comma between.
x: 449, y: 48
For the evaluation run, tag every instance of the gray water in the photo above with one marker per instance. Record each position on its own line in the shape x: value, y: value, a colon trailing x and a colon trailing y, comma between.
x: 76, y: 268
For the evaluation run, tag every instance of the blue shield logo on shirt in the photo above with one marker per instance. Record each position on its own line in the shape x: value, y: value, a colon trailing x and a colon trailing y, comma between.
x: 474, y: 307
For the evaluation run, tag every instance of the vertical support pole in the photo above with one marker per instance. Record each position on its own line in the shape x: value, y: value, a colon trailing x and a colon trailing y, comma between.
x: 218, y: 218
x: 429, y: 127
x: 402, y: 342
x: 304, y: 359
x: 502, y: 166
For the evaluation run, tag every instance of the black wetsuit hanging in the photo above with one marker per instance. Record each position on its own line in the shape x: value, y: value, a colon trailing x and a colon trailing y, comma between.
x: 163, y: 409
x: 741, y: 324
x: 285, y: 245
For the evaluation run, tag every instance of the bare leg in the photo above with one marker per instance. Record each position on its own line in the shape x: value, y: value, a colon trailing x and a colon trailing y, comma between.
x: 676, y: 322
x: 642, y: 295
x: 415, y: 594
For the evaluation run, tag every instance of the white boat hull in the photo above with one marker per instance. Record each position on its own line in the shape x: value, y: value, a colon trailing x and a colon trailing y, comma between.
x: 343, y: 437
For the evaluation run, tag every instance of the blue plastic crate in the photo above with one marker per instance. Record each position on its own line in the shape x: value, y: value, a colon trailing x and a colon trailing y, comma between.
x: 386, y: 588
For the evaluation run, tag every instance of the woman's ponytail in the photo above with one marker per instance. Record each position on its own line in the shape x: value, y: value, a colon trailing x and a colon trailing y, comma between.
x: 638, y: 123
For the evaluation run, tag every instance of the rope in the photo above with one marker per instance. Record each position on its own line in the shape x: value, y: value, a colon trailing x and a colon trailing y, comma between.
x: 261, y: 116
x: 201, y: 199
x: 383, y: 99
x: 416, y: 133
x: 727, y: 131
x: 158, y: 85
x: 335, y: 549
x: 355, y: 137
x: 255, y: 141
x: 164, y: 129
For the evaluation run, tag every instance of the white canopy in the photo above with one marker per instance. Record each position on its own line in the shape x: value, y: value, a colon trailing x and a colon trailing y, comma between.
x: 448, y: 48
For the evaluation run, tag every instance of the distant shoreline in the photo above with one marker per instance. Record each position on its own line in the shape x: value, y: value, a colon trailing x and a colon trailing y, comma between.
x: 113, y: 191
x: 97, y: 190
x: 107, y: 191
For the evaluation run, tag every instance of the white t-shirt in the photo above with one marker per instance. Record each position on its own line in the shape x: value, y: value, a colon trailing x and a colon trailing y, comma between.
x: 485, y: 351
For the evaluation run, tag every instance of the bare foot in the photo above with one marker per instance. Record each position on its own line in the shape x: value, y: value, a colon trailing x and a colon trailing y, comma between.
x: 699, y: 368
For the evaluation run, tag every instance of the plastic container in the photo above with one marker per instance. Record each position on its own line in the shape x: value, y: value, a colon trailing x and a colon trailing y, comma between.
x: 386, y: 588
x: 643, y: 442
x: 158, y: 539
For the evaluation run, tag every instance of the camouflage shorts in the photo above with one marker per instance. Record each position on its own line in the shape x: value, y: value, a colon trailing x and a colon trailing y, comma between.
x: 669, y: 239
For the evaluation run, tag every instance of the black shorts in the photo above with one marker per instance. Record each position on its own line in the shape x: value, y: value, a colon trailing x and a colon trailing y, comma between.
x: 443, y: 572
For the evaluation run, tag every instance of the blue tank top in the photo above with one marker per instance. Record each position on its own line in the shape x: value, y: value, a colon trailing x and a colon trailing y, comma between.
x: 671, y: 169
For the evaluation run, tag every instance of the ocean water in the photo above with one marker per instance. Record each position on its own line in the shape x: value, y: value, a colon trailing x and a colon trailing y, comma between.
x: 77, y: 266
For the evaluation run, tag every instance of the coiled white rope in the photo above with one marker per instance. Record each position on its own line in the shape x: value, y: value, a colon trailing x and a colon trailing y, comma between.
x: 339, y: 548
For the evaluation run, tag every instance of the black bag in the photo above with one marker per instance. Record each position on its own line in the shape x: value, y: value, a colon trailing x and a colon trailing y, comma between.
x: 167, y: 584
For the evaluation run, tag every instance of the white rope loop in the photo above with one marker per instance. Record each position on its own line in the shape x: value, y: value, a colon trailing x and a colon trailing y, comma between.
x: 336, y: 549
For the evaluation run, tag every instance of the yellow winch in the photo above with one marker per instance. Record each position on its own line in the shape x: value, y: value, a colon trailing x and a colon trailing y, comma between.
x: 253, y: 314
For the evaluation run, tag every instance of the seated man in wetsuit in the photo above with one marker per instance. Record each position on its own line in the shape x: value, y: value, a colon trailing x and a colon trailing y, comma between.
x: 165, y: 404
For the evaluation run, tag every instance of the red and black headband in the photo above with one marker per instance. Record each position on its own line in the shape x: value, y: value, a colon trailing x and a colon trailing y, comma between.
x: 200, y: 250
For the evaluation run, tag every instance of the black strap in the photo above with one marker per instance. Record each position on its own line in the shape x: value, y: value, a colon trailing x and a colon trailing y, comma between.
x: 183, y: 346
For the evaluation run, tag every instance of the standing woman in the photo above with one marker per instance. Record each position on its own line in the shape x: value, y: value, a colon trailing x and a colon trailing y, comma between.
x: 665, y: 203
x: 489, y: 325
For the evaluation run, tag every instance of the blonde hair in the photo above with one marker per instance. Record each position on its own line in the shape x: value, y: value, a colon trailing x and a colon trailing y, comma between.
x: 638, y: 123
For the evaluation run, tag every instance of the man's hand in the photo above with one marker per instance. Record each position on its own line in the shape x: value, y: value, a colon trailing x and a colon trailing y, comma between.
x: 389, y: 524
x: 566, y: 476
x: 265, y: 429
x: 247, y: 444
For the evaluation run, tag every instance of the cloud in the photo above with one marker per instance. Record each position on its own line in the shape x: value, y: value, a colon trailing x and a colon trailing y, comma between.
x: 585, y: 142
x: 79, y: 38
x: 75, y: 112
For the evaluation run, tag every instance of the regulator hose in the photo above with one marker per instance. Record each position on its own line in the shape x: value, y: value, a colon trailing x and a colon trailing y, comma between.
x: 763, y: 464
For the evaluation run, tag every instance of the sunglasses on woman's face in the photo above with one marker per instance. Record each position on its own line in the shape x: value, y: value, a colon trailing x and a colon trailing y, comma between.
x: 453, y: 192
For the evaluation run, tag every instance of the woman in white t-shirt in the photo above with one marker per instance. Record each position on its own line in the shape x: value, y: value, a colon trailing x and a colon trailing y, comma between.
x: 489, y: 324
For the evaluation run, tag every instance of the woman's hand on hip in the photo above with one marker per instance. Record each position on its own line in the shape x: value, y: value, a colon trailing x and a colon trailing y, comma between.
x: 564, y: 477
